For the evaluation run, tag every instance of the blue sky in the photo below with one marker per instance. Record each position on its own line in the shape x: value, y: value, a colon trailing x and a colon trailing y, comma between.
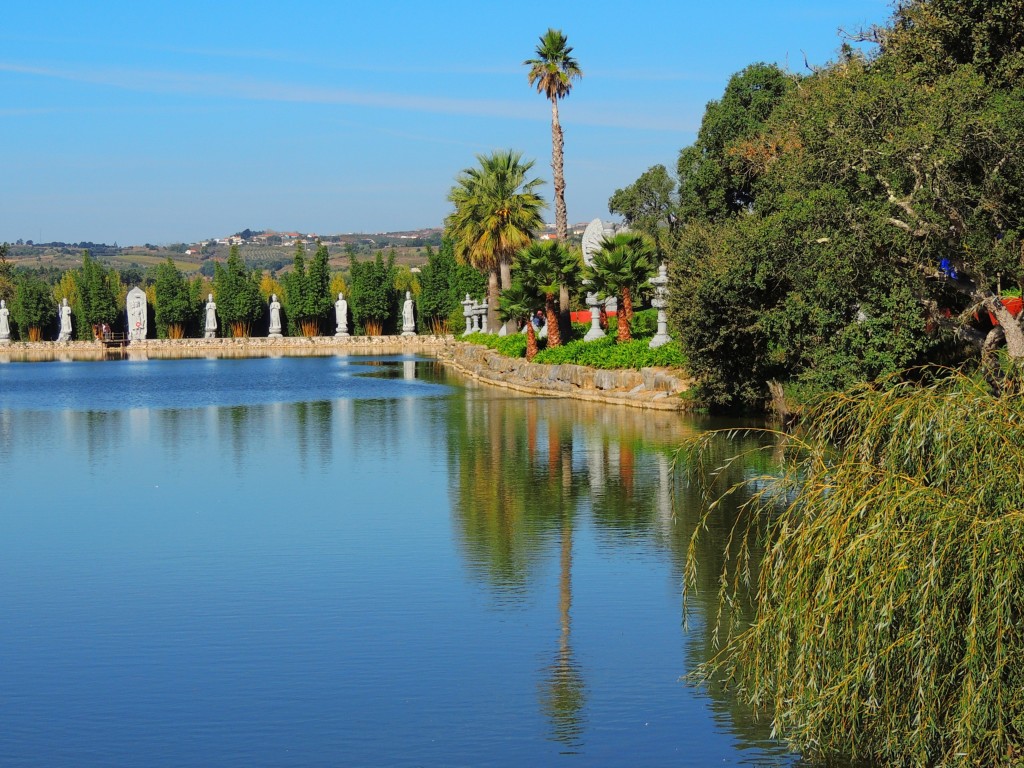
x: 164, y: 122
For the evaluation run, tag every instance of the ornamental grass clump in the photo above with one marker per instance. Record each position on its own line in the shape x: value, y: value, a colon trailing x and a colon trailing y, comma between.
x: 890, y: 597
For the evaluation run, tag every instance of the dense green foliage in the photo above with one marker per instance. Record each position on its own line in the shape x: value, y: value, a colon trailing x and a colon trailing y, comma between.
x: 603, y: 353
x: 542, y: 267
x: 444, y: 283
x: 237, y: 288
x: 32, y: 308
x: 97, y: 296
x: 7, y: 283
x: 374, y: 300
x: 308, y: 297
x: 518, y: 304
x: 713, y: 179
x: 843, y: 225
x: 176, y: 306
x: 621, y: 268
x: 648, y: 205
x: 891, y: 589
x: 513, y: 345
x: 609, y: 354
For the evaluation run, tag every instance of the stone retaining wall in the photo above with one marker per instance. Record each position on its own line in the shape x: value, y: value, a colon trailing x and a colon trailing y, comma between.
x: 647, y: 388
x: 243, y: 347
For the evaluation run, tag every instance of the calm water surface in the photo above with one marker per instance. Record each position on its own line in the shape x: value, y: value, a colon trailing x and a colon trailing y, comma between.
x: 343, y: 561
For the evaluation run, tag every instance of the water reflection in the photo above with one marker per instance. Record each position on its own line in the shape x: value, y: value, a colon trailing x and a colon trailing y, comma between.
x: 520, y: 466
x: 563, y: 691
x: 331, y: 552
x: 527, y: 473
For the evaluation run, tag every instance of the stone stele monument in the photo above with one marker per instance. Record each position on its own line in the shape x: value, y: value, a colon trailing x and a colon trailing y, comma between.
x: 137, y: 321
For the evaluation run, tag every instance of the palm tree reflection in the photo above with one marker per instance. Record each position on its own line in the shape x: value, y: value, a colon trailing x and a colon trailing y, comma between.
x: 563, y: 692
x: 527, y: 473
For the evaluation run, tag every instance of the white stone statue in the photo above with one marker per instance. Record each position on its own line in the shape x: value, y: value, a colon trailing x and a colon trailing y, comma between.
x: 65, y: 322
x: 592, y: 237
x: 137, y: 321
x: 275, y: 317
x: 408, y: 316
x: 211, y: 318
x: 5, y: 323
x: 341, y: 315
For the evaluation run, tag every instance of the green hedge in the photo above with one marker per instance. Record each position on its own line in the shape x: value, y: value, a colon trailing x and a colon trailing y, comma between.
x: 606, y: 353
x: 602, y: 353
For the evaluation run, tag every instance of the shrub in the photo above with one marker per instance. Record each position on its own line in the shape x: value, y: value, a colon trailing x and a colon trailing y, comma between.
x: 513, y: 345
x: 644, y: 323
x: 607, y: 353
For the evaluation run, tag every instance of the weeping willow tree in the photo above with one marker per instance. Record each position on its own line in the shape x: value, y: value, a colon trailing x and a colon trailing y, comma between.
x: 890, y: 595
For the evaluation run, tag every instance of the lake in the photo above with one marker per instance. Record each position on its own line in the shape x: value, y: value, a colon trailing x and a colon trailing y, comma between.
x: 346, y: 560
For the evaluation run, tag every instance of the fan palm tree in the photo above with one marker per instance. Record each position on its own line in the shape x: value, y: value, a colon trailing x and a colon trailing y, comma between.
x: 553, y: 73
x: 546, y: 265
x: 517, y: 304
x: 623, y: 264
x: 497, y: 212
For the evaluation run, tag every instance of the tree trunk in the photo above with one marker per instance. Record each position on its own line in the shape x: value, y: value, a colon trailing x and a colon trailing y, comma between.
x: 564, y: 313
x: 492, y: 301
x: 557, y: 171
x: 1011, y: 327
x: 531, y: 341
x: 554, y: 337
x: 505, y: 268
x: 505, y: 265
x: 625, y: 312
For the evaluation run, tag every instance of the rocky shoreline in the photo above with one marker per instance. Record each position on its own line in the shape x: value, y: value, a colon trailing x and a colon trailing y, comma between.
x: 655, y: 388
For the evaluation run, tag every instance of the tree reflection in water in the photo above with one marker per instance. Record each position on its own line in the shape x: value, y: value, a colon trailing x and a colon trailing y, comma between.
x: 523, y: 471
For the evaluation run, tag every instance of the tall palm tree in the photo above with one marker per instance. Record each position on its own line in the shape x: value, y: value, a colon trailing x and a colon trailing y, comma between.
x: 553, y: 73
x: 546, y: 265
x: 497, y: 212
x: 623, y: 264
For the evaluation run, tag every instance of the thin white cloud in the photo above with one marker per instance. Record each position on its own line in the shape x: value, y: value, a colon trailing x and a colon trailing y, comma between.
x: 226, y: 87
x: 289, y: 57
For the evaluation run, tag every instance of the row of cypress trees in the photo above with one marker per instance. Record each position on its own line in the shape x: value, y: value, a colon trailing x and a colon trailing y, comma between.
x: 374, y: 290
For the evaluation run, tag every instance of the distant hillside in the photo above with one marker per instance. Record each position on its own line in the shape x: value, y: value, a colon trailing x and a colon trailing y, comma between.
x: 266, y: 250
